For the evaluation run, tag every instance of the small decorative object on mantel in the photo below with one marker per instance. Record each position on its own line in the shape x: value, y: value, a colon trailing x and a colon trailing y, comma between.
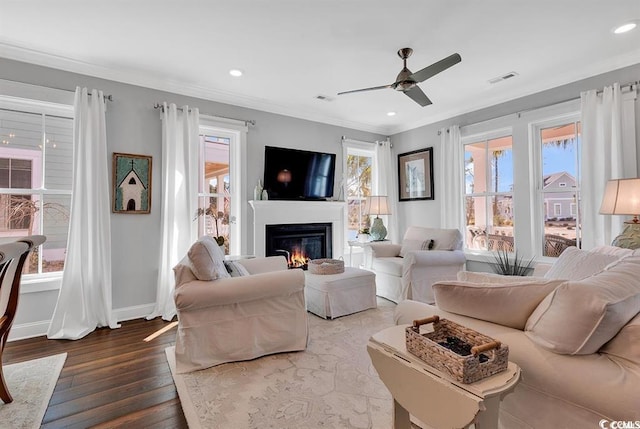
x: 131, y: 183
x: 257, y: 191
x: 363, y: 235
x: 326, y: 266
x: 463, y: 354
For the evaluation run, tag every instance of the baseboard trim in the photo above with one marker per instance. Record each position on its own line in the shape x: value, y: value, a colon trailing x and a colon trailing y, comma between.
x: 38, y: 329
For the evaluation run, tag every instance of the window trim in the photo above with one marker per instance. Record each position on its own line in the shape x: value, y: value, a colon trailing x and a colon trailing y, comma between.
x: 554, y: 116
x: 236, y: 131
x: 359, y: 148
x: 477, y: 133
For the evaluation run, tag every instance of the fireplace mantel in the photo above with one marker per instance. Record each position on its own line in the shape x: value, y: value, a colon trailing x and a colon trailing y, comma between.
x: 275, y: 212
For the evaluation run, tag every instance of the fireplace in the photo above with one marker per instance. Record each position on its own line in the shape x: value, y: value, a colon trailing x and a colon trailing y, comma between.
x: 299, y: 242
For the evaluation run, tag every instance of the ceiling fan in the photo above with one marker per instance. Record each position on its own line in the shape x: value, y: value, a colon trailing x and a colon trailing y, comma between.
x: 407, y: 81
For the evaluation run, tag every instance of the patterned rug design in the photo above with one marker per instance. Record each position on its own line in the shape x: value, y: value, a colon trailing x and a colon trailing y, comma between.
x: 331, y: 384
x: 31, y: 384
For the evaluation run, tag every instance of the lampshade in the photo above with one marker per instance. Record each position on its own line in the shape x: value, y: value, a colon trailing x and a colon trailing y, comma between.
x: 621, y: 197
x: 378, y: 205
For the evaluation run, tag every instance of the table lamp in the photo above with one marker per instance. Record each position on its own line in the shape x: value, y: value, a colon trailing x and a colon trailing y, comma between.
x: 378, y: 205
x: 622, y: 197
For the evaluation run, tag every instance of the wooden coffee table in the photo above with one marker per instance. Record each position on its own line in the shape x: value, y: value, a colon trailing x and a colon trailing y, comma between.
x: 430, y: 395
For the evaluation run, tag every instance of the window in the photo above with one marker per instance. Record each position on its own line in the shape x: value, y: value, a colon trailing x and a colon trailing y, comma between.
x: 36, y: 152
x: 214, y: 196
x: 220, y: 187
x: 488, y: 173
x: 358, y: 186
x: 557, y: 142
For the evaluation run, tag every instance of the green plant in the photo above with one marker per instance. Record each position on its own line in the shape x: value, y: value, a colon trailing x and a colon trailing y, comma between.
x: 507, y: 266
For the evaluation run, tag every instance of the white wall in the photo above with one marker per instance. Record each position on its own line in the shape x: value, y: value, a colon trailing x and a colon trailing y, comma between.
x: 133, y: 126
x: 427, y: 213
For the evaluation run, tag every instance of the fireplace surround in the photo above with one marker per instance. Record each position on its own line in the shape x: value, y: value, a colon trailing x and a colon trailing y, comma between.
x: 281, y: 212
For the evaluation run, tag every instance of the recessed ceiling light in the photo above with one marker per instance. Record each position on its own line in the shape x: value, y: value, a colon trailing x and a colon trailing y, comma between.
x: 235, y: 72
x: 391, y: 113
x: 625, y: 27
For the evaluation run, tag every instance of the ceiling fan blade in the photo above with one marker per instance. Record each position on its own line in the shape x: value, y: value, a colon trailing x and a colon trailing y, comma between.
x: 435, y: 68
x: 418, y: 96
x: 365, y: 89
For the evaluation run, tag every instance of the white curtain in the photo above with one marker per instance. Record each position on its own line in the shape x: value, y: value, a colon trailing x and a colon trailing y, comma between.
x: 84, y: 302
x: 450, y: 183
x: 180, y: 142
x: 388, y: 185
x: 608, y: 151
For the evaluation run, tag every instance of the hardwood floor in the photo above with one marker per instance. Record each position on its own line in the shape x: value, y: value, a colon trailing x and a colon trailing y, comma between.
x: 111, y: 378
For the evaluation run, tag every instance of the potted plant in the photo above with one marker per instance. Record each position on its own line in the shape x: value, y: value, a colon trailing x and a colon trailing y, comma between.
x: 217, y: 216
x: 363, y: 235
x: 510, y: 267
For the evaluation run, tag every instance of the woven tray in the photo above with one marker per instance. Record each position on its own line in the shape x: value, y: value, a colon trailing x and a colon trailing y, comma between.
x: 465, y: 369
x: 326, y: 266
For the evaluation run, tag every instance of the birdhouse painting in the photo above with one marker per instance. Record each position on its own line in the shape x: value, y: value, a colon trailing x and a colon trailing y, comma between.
x: 131, y: 183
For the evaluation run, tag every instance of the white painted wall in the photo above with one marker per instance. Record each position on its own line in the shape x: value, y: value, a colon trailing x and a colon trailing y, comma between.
x: 133, y: 126
x: 427, y: 213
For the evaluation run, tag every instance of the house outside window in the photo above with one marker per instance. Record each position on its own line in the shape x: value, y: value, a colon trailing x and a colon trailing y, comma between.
x: 36, y: 150
x: 488, y: 175
x: 557, y: 144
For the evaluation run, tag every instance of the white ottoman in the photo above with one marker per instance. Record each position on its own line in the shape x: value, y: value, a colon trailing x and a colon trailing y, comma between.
x: 335, y: 295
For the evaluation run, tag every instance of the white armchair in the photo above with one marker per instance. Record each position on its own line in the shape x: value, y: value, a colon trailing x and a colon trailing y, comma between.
x: 407, y: 270
x: 231, y: 319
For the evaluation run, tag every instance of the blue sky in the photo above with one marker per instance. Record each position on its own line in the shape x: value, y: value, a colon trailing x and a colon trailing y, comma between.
x: 555, y: 159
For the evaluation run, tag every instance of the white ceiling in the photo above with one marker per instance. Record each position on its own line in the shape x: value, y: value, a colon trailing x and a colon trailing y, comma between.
x: 294, y: 50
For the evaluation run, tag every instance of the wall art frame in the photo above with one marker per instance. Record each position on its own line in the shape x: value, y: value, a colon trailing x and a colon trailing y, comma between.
x: 415, y: 175
x: 131, y: 183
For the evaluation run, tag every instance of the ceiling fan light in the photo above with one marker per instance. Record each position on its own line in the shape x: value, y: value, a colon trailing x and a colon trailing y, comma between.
x: 628, y: 26
x: 236, y: 72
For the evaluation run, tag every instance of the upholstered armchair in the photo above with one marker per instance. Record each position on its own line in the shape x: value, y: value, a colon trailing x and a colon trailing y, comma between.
x: 407, y: 270
x: 223, y: 319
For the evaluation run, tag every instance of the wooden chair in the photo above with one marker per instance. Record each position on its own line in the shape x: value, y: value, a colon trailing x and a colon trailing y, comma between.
x: 13, y: 255
x: 554, y: 245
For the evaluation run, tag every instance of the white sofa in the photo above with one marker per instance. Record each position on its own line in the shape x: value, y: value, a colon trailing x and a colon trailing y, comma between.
x: 407, y: 270
x: 226, y: 319
x: 577, y: 341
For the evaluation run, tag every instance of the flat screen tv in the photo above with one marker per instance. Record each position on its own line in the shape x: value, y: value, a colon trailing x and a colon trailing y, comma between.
x: 292, y: 174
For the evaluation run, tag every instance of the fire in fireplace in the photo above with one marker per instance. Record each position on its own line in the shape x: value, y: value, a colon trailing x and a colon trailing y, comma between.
x: 299, y: 243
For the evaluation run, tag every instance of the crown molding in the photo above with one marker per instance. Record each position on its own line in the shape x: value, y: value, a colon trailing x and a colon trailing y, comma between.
x: 27, y: 55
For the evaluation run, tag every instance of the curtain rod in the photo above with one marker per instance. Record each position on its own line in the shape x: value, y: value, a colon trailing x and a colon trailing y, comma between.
x: 629, y: 85
x: 246, y: 121
x: 363, y: 141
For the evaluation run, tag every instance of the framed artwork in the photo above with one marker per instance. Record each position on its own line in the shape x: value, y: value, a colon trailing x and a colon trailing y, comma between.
x: 131, y: 183
x: 415, y: 175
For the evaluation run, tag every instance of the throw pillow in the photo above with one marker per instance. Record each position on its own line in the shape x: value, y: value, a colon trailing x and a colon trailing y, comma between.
x: 413, y: 245
x: 580, y: 316
x: 577, y: 264
x: 626, y: 343
x: 507, y: 304
x: 207, y: 260
x: 236, y: 270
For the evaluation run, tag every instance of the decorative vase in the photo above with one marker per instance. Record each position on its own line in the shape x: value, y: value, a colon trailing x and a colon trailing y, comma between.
x: 257, y: 191
x: 378, y: 231
x: 363, y: 238
x: 265, y: 195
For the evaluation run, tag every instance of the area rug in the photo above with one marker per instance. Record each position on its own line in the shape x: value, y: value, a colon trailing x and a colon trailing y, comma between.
x: 31, y: 384
x: 332, y: 384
